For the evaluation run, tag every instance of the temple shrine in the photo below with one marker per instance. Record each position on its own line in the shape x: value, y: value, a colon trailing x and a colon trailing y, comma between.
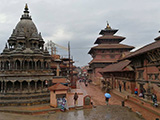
x: 108, y: 51
x: 25, y: 72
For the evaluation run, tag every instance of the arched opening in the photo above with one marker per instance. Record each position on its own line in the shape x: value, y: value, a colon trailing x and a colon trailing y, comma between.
x: 30, y: 64
x: 32, y: 85
x: 35, y: 45
x: 39, y: 85
x: 38, y: 64
x: 25, y: 64
x: 20, y: 43
x: 45, y: 65
x: 18, y: 65
x: 9, y: 86
x: 6, y: 65
x: 17, y: 86
x: 25, y: 86
x: 33, y: 65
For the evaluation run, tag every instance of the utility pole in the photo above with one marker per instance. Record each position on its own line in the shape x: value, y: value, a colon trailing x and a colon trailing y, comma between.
x: 70, y: 67
x: 69, y: 59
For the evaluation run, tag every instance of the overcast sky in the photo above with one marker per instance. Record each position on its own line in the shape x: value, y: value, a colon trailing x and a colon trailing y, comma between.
x: 80, y: 21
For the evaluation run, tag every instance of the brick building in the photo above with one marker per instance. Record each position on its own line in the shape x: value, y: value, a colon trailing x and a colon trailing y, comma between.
x: 144, y: 64
x: 108, y: 51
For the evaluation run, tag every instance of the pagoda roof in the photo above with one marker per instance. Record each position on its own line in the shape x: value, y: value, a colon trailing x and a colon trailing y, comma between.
x: 58, y: 87
x: 108, y: 31
x: 117, y: 67
x: 102, y: 61
x: 111, y: 46
x: 144, y: 49
x: 109, y: 37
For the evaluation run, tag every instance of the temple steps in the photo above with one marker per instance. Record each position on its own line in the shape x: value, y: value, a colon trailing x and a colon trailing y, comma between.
x: 24, y: 99
x: 23, y: 96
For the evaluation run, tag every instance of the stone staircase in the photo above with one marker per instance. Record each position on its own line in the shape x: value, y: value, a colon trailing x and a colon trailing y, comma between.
x: 24, y: 99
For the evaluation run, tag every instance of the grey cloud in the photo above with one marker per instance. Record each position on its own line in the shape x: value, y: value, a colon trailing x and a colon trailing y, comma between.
x: 80, y: 21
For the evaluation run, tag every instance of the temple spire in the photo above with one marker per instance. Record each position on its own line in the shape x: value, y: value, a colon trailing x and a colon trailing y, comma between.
x: 26, y: 9
x: 26, y: 13
x: 108, y: 27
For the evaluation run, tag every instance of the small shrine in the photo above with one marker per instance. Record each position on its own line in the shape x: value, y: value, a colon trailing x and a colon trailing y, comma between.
x: 57, y: 92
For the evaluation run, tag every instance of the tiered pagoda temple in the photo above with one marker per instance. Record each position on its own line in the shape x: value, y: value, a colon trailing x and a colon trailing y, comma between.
x: 25, y: 66
x: 108, y: 51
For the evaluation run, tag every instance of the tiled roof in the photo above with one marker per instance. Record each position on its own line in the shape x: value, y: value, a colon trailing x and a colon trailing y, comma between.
x: 108, y: 37
x: 58, y: 86
x: 59, y: 80
x: 116, y: 67
x: 111, y: 46
x: 144, y: 49
x: 102, y: 61
x: 111, y: 37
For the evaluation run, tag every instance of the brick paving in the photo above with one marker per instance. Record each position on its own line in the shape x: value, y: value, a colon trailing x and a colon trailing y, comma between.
x: 98, y: 99
x: 148, y: 112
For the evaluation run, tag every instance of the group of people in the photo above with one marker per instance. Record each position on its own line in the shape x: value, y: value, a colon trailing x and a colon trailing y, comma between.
x: 142, y: 92
x: 86, y: 82
x: 62, y: 102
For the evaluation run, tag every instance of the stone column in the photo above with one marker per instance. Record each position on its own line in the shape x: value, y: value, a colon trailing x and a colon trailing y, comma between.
x: 3, y: 66
x: 9, y: 65
x: 21, y: 87
x: 35, y: 86
x: 2, y: 87
x: 13, y: 87
x: 23, y: 64
x: 42, y: 86
x: 5, y: 86
x: 32, y: 64
x: 29, y: 86
x: 35, y: 65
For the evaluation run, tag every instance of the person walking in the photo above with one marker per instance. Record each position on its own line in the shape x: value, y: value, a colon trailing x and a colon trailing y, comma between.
x: 120, y: 87
x: 107, y: 96
x: 154, y: 99
x: 75, y: 98
x: 136, y: 91
x: 107, y: 101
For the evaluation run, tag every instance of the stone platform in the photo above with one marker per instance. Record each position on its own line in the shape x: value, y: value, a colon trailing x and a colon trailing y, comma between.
x: 24, y: 99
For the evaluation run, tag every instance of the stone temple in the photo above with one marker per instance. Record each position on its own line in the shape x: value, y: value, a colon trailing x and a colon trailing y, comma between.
x: 25, y: 66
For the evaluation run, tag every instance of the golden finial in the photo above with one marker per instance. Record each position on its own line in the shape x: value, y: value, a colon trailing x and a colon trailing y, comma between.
x: 108, y: 27
x: 26, y: 7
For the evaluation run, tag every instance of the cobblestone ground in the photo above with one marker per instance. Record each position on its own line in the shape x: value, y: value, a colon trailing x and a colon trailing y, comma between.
x: 98, y: 99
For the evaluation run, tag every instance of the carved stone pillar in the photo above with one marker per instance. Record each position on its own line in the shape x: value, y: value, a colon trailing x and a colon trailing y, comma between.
x: 23, y: 65
x: 35, y: 65
x: 2, y: 87
x: 29, y: 86
x: 21, y: 87
x: 3, y: 66
x: 5, y: 86
x: 20, y: 65
x: 42, y: 86
x: 13, y: 87
x: 35, y: 86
